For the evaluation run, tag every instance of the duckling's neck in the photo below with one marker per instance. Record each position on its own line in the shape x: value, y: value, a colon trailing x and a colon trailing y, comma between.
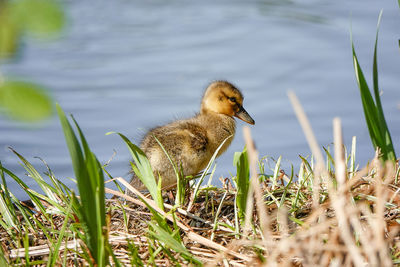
x: 219, y: 127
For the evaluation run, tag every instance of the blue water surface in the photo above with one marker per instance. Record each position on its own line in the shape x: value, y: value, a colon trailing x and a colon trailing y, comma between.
x: 128, y: 66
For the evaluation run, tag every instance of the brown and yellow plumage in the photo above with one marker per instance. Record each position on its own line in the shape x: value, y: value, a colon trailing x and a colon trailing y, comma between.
x: 192, y: 142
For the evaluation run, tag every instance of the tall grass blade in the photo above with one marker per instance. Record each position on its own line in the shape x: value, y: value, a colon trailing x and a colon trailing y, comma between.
x: 375, y: 119
x: 96, y: 177
x: 276, y: 172
x: 180, y: 182
x: 368, y: 103
x: 25, y: 242
x: 3, y: 260
x: 142, y: 169
x: 59, y: 187
x: 25, y: 212
x: 240, y: 160
x: 54, y: 195
x: 286, y: 189
x: 35, y: 200
x: 90, y: 178
x: 352, y: 169
x: 382, y: 122
x: 133, y: 251
x: 217, y: 215
x: 165, y: 237
x: 37, y: 177
x: 54, y: 255
x: 197, y: 187
x: 7, y: 210
x: 301, y: 172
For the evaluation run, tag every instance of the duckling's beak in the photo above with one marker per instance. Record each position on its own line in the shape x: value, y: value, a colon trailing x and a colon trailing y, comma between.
x: 244, y: 116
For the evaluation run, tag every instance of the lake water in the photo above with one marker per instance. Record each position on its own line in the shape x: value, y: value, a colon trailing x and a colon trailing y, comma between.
x: 127, y: 66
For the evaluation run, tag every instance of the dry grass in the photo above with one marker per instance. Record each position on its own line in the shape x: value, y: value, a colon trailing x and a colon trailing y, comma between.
x: 358, y: 223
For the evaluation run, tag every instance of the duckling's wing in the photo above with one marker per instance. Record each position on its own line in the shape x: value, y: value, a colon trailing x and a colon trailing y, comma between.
x: 169, y: 136
x: 178, y: 137
x: 186, y: 144
x: 196, y: 136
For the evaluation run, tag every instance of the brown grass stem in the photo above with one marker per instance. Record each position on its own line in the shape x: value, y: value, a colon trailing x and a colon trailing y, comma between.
x: 312, y: 142
x: 255, y: 184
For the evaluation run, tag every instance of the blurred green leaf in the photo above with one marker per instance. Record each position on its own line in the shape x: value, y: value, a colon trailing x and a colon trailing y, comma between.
x: 39, y: 17
x: 25, y: 101
x: 9, y: 36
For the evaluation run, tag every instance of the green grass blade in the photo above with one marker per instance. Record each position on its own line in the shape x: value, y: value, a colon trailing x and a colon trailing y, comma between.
x: 368, y: 103
x: 295, y: 220
x: 25, y: 242
x: 375, y: 68
x: 143, y: 169
x: 96, y: 214
x: 308, y: 171
x: 25, y: 212
x: 168, y: 239
x: 210, y: 179
x: 157, y: 217
x: 35, y: 200
x: 240, y: 160
x: 7, y: 213
x: 3, y: 260
x: 286, y: 189
x: 54, y: 255
x: 352, y: 169
x: 217, y: 215
x: 276, y: 173
x: 387, y: 140
x: 295, y: 200
x: 196, y: 189
x: 133, y: 252
x: 90, y: 178
x: 301, y: 172
x: 7, y: 210
x: 78, y: 162
x: 329, y: 159
x: 60, y: 189
x: 55, y: 208
x: 375, y: 119
x: 180, y: 183
x: 37, y: 177
x: 116, y: 261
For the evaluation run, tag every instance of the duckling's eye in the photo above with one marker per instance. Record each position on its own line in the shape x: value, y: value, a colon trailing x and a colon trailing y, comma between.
x: 232, y: 99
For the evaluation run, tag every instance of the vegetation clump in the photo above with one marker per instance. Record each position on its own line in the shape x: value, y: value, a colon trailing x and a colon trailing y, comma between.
x: 325, y: 214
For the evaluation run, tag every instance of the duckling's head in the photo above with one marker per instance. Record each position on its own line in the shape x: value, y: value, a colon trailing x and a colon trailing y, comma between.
x: 224, y: 98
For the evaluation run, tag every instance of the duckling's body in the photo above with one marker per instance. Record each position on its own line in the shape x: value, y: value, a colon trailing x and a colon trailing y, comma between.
x: 192, y: 142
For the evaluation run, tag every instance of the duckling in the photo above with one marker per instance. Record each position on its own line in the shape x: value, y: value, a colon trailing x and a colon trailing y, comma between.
x: 192, y: 142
